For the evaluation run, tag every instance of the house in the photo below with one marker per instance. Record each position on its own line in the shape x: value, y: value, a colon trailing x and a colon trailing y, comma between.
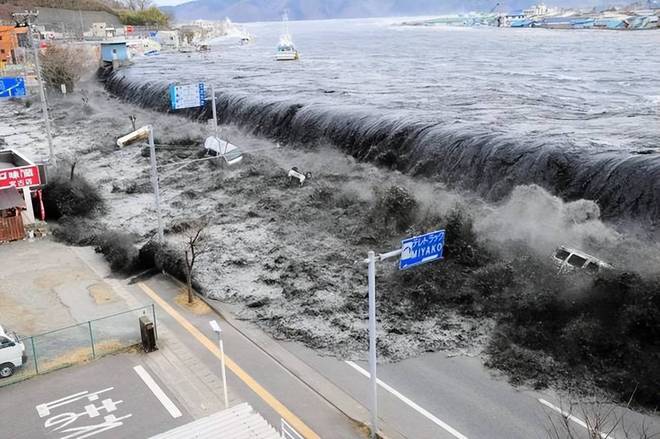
x: 11, y: 38
x: 114, y: 51
x: 19, y: 179
x: 168, y: 39
x: 11, y: 219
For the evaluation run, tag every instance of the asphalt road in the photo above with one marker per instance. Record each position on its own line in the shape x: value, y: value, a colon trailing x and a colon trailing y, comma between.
x: 314, y: 411
x: 423, y: 396
x: 104, y: 399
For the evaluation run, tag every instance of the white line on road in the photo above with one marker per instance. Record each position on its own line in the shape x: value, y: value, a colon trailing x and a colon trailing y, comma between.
x: 574, y: 419
x: 157, y: 391
x: 410, y: 403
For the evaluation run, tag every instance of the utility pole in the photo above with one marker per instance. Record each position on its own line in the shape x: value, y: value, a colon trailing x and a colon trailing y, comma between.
x: 26, y: 19
x: 154, y: 182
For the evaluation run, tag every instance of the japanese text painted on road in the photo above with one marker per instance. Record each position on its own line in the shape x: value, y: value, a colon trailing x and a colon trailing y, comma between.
x: 187, y: 96
x: 69, y: 417
x: 421, y: 249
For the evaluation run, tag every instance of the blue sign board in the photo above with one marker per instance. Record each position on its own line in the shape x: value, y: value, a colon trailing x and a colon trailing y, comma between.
x: 12, y: 87
x: 187, y: 96
x: 421, y: 249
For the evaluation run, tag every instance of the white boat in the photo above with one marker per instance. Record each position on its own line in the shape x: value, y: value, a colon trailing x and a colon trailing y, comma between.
x: 286, y: 51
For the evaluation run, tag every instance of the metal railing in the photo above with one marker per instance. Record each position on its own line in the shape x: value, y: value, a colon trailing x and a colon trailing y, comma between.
x: 80, y: 343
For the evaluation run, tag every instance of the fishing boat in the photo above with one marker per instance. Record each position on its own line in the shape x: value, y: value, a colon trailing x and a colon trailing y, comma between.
x: 286, y: 51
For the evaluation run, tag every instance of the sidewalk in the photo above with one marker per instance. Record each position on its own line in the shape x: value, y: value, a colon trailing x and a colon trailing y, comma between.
x: 193, y: 383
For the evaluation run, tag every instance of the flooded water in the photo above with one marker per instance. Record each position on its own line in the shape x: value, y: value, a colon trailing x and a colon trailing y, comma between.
x: 577, y: 112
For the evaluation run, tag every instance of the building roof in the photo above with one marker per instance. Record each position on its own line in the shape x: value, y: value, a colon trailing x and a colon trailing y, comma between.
x: 10, y: 198
x: 240, y: 421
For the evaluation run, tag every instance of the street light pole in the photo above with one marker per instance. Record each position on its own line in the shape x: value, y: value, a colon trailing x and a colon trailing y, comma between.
x: 372, y: 343
x: 215, y: 113
x: 154, y: 182
x: 218, y: 330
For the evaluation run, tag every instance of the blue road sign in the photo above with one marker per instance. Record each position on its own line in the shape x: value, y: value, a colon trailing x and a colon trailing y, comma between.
x: 12, y: 87
x: 187, y: 96
x: 421, y: 249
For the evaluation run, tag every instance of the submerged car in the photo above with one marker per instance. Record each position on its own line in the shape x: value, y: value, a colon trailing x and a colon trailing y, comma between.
x: 568, y: 259
x: 215, y: 146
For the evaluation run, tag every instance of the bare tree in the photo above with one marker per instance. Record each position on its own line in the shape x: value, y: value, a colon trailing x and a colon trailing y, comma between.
x: 600, y: 420
x: 137, y: 5
x: 62, y: 65
x: 196, y: 244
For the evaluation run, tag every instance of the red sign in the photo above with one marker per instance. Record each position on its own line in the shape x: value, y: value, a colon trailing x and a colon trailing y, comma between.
x: 24, y: 176
x: 129, y: 29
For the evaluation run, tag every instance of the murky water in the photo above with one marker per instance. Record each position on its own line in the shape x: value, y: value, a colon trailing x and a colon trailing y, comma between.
x: 577, y: 112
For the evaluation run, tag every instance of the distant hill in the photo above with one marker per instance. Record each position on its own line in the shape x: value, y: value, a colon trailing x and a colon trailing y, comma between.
x: 265, y: 10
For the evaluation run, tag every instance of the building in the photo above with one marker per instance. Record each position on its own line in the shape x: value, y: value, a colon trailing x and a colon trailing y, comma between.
x: 11, y: 38
x: 19, y: 178
x: 114, y: 51
x: 168, y: 39
x: 12, y: 205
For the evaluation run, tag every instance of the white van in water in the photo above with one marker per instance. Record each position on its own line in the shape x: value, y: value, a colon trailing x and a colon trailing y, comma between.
x: 12, y: 353
x: 216, y: 146
x: 568, y: 259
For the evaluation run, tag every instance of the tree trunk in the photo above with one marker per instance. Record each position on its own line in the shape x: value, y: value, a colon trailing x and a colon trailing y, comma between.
x: 189, y: 266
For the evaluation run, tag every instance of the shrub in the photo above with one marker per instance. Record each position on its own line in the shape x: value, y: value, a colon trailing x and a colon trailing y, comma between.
x: 119, y: 250
x: 76, y: 231
x: 62, y: 65
x: 395, y: 209
x: 64, y: 196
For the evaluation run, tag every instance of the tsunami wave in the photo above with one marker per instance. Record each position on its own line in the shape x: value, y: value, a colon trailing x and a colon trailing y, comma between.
x: 624, y: 184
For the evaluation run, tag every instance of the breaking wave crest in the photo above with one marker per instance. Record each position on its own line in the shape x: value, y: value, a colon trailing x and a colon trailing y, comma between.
x: 624, y: 184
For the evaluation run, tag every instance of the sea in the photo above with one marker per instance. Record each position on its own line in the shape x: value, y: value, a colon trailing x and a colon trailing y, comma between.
x: 484, y: 109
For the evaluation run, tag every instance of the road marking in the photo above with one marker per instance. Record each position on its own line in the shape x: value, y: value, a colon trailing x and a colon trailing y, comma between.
x: 257, y: 388
x: 157, y: 391
x: 410, y: 403
x: 575, y: 419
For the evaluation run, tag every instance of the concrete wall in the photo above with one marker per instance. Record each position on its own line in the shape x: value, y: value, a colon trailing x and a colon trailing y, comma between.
x: 55, y: 19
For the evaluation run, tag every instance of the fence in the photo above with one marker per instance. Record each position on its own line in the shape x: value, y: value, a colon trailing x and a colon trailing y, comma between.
x: 79, y: 343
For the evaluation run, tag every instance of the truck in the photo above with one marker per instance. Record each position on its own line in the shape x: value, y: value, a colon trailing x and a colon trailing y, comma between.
x: 12, y: 353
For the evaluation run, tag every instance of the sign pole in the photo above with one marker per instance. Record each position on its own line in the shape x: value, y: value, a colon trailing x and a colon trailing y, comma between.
x: 154, y: 182
x: 215, y: 113
x: 414, y: 251
x: 372, y: 343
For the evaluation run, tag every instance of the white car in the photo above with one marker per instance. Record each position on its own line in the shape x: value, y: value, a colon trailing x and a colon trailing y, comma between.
x: 216, y: 146
x: 568, y: 259
x: 12, y: 353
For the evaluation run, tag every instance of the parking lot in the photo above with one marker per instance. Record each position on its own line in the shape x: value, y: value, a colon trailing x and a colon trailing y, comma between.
x: 116, y: 396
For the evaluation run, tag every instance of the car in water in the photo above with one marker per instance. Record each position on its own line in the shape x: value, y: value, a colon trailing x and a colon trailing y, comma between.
x: 215, y: 146
x: 12, y: 353
x: 569, y: 259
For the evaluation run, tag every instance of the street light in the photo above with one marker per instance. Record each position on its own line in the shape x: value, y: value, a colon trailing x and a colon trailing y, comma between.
x: 139, y: 134
x: 218, y: 330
